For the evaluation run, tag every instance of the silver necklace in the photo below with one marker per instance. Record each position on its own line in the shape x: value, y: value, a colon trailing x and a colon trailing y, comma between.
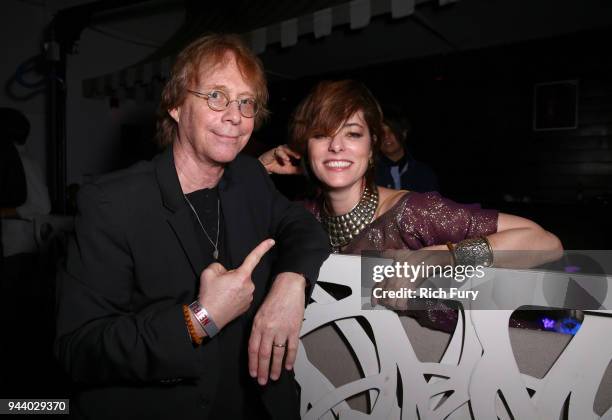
x: 216, y: 243
x: 342, y: 229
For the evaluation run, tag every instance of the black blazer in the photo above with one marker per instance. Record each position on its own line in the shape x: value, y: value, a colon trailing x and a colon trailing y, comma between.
x: 135, y: 260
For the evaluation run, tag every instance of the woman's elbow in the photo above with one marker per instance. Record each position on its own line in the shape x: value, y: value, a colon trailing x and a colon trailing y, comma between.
x: 553, y: 243
x: 548, y: 242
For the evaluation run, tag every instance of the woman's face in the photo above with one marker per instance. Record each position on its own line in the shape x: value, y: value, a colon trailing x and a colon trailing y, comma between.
x: 342, y: 160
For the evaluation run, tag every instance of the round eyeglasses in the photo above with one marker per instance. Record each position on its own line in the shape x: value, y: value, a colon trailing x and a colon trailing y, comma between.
x: 218, y: 101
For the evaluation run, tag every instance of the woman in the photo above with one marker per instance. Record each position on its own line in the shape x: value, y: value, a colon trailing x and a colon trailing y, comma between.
x: 338, y: 129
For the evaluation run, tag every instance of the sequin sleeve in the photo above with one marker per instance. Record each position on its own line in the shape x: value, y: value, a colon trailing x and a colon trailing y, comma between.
x: 431, y: 219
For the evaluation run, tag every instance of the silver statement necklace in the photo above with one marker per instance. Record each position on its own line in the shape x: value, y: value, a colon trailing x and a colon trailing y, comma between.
x: 342, y: 229
x: 216, y: 243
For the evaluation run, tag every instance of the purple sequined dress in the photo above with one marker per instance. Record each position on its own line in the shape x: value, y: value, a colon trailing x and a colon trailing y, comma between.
x: 418, y: 220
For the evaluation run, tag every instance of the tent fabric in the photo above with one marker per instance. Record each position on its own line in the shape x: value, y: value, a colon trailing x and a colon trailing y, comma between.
x: 262, y: 23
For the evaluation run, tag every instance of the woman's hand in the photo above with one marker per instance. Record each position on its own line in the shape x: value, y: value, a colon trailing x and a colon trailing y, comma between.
x: 279, y: 161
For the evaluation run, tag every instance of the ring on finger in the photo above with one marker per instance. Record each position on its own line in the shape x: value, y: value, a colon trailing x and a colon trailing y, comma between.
x: 279, y: 345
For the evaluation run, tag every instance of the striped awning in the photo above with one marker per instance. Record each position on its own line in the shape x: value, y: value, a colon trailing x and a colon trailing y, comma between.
x: 145, y: 79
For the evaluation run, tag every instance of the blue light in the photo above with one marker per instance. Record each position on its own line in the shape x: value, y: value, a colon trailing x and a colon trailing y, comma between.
x: 549, y: 324
x: 565, y: 326
x: 568, y: 326
x: 571, y: 269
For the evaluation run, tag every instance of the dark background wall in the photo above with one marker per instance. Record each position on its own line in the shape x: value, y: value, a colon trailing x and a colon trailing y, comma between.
x: 471, y: 106
x: 472, y: 114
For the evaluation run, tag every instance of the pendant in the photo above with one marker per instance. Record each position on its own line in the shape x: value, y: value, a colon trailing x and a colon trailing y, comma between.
x: 216, y: 254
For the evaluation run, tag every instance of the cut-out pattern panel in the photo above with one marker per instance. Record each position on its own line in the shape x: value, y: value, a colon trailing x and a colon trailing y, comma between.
x: 477, y: 378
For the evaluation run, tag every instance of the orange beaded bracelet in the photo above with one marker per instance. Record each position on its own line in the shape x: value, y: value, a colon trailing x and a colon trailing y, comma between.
x: 192, y: 332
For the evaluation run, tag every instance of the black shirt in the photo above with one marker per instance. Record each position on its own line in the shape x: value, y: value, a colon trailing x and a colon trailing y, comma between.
x: 237, y: 394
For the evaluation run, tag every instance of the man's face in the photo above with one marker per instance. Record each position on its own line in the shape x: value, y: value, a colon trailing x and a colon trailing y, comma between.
x: 215, y: 137
x: 390, y: 144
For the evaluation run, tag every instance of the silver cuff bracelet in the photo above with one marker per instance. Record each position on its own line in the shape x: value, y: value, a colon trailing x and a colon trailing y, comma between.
x: 473, y: 252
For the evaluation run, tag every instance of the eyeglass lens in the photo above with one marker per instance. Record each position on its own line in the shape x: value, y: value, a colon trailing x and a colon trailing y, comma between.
x: 218, y: 101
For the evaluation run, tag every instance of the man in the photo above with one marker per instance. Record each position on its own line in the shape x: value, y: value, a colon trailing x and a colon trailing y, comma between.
x: 23, y: 191
x: 396, y: 168
x: 168, y: 253
x: 13, y: 190
x: 14, y: 129
x: 23, y: 198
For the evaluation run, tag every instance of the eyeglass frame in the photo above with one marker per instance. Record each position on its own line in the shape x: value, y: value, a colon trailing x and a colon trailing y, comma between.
x: 206, y: 96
